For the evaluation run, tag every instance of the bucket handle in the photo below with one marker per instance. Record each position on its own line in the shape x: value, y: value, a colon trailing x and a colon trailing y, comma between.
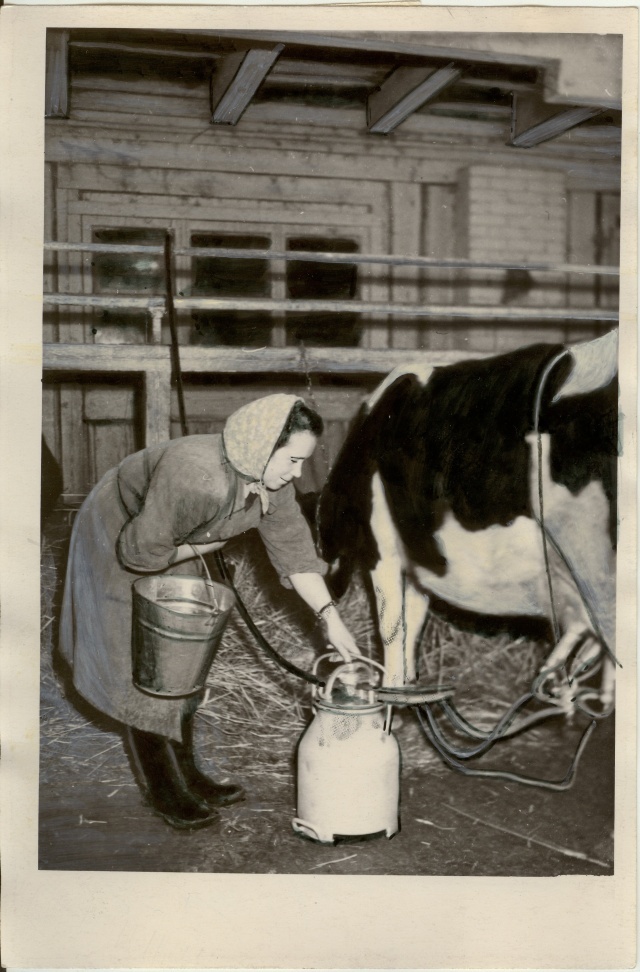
x: 215, y: 607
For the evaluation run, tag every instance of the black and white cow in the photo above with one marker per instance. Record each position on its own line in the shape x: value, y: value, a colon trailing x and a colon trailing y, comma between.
x: 437, y: 493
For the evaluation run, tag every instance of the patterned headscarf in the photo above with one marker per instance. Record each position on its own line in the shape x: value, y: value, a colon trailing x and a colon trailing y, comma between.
x: 250, y: 435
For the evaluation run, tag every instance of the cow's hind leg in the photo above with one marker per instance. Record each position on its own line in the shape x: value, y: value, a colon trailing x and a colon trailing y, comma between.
x: 401, y: 608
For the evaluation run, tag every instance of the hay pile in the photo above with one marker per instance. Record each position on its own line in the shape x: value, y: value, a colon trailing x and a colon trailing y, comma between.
x: 254, y: 712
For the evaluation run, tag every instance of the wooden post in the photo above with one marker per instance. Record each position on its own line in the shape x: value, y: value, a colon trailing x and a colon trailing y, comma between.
x: 157, y: 314
x: 57, y: 74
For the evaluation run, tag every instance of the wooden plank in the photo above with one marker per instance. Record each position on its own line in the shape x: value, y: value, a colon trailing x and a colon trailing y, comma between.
x: 534, y: 121
x: 56, y: 90
x: 73, y: 453
x: 398, y: 162
x: 236, y: 80
x: 109, y: 403
x: 72, y: 280
x: 439, y: 241
x: 232, y: 211
x: 202, y: 360
x: 335, y: 129
x: 108, y: 443
x: 289, y: 71
x: 473, y: 47
x: 162, y: 106
x: 140, y: 49
x: 588, y: 66
x: 218, y: 400
x: 342, y: 125
x: 405, y: 218
x: 61, y: 221
x: 103, y: 300
x: 265, y: 160
x: 232, y: 208
x: 51, y: 417
x: 375, y: 286
x: 157, y: 315
x: 609, y: 290
x: 581, y: 230
x: 99, y: 85
x: 404, y: 91
x: 194, y: 180
x: 157, y: 403
x: 50, y: 274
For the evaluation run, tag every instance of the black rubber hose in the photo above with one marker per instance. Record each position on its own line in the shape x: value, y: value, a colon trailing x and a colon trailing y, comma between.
x: 494, y: 736
x: 563, y: 784
x: 463, y: 725
x: 257, y: 634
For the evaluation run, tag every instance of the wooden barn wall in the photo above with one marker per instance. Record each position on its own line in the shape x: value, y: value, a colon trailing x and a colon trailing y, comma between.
x: 146, y: 156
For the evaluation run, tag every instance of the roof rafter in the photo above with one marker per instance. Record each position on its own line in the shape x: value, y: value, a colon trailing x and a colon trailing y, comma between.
x: 533, y: 121
x: 404, y: 91
x: 237, y: 79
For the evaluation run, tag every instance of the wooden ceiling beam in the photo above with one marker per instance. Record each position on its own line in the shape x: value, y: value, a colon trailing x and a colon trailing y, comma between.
x: 404, y: 91
x: 533, y: 121
x: 238, y: 77
x: 145, y: 50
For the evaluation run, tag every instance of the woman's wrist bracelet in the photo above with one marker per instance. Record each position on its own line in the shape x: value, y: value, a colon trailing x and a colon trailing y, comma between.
x: 320, y: 613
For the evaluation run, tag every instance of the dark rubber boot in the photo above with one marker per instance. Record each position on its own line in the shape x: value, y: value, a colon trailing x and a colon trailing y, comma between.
x: 165, y: 788
x: 214, y: 794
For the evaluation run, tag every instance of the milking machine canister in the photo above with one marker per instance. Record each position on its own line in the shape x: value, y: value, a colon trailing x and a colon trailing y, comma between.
x: 348, y: 762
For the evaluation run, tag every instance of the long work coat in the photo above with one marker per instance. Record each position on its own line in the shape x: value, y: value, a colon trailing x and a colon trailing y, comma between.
x: 129, y: 525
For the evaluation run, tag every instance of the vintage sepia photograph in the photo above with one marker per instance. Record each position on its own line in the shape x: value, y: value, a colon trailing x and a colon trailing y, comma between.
x: 319, y: 415
x: 329, y: 451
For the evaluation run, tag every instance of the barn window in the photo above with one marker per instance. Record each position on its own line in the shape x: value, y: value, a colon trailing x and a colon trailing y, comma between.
x: 231, y: 277
x: 131, y: 274
x: 308, y: 280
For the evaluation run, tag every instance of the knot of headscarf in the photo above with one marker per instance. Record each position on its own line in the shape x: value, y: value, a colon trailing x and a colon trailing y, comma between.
x: 250, y: 435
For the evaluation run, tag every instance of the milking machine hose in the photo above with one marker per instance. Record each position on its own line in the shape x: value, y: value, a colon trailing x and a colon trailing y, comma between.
x: 495, y: 735
x: 459, y: 722
x: 563, y: 784
x: 257, y: 634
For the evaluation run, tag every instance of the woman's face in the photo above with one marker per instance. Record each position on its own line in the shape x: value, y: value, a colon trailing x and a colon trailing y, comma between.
x: 286, y: 463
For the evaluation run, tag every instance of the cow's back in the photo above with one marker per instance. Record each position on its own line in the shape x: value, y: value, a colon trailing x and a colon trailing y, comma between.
x: 456, y: 443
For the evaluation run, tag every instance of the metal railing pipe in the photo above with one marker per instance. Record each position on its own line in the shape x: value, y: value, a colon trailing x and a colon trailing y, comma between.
x: 428, y: 263
x: 463, y: 312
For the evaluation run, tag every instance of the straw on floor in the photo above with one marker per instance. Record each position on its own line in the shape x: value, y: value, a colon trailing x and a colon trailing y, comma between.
x: 254, y: 712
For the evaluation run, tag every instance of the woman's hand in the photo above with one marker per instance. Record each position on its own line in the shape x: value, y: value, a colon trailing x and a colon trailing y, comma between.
x: 338, y: 635
x: 312, y: 589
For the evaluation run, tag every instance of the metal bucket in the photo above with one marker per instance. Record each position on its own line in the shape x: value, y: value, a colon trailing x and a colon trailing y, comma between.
x: 178, y: 621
